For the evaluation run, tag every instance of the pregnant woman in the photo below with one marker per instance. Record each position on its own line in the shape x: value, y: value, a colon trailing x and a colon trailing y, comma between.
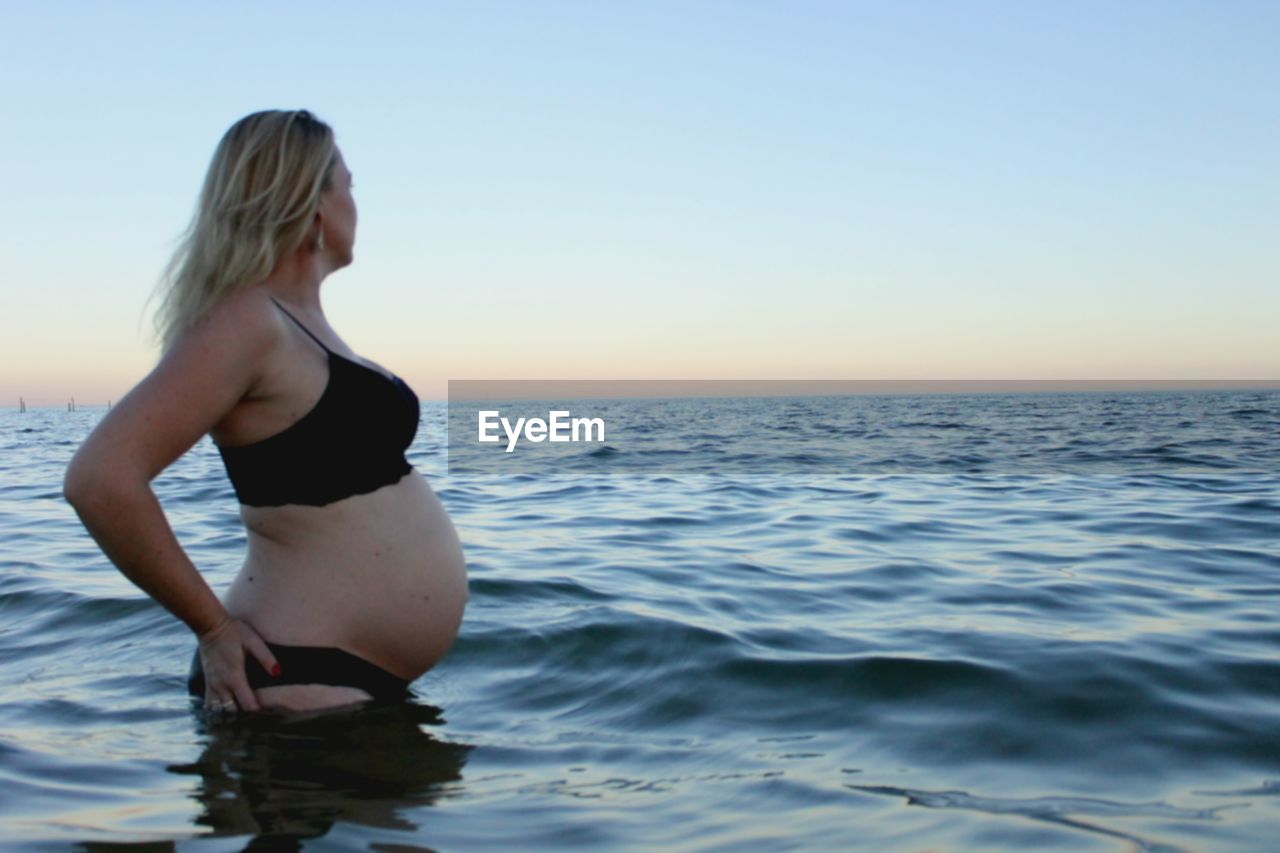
x: 354, y: 582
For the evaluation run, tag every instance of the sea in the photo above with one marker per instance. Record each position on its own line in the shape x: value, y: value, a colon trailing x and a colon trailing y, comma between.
x: 907, y: 622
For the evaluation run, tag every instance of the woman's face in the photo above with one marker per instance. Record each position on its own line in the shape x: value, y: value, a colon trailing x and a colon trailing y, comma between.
x: 338, y: 214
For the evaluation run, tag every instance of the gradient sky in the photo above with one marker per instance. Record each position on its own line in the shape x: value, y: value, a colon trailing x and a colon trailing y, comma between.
x: 609, y: 190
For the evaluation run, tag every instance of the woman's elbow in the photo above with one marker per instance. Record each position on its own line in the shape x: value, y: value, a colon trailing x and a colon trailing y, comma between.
x: 88, y: 483
x: 78, y: 483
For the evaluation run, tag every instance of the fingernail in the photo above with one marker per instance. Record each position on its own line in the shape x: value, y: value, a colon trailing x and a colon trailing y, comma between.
x: 275, y: 670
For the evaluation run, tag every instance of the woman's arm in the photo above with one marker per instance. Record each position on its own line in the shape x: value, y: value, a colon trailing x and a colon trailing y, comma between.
x: 194, y: 386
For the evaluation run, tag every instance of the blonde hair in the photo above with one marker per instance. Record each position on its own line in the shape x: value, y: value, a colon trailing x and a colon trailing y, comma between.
x: 259, y: 199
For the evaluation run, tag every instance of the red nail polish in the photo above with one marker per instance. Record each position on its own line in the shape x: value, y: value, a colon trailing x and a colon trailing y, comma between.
x: 275, y: 670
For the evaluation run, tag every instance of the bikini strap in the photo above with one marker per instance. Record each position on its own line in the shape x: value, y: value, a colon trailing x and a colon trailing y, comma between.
x: 299, y: 324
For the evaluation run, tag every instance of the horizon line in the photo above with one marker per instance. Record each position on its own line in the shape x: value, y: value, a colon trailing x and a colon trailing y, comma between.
x: 490, y: 389
x: 512, y: 389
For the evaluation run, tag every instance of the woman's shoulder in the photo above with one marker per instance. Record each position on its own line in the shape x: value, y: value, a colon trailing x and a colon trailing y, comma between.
x: 244, y: 323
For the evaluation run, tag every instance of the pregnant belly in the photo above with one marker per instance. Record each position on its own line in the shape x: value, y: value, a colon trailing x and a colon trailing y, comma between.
x: 381, y: 575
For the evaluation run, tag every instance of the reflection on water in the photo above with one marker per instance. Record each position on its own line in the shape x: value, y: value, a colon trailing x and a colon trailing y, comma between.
x: 283, y: 778
x: 1064, y: 811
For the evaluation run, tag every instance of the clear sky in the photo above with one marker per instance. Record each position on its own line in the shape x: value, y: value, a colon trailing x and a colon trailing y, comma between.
x: 608, y: 190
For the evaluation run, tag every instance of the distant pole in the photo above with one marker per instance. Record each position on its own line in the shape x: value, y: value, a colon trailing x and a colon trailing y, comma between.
x: 22, y: 405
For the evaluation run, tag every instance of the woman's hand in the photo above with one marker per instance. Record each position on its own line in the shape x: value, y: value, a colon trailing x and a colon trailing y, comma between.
x: 222, y: 656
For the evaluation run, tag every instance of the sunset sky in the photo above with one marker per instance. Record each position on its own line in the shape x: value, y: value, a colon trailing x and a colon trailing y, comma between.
x: 609, y: 190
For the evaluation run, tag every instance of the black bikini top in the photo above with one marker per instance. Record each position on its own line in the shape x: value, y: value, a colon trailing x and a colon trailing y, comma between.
x: 352, y: 442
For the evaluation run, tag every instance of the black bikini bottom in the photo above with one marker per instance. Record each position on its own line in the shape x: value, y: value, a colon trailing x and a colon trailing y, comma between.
x: 313, y: 665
